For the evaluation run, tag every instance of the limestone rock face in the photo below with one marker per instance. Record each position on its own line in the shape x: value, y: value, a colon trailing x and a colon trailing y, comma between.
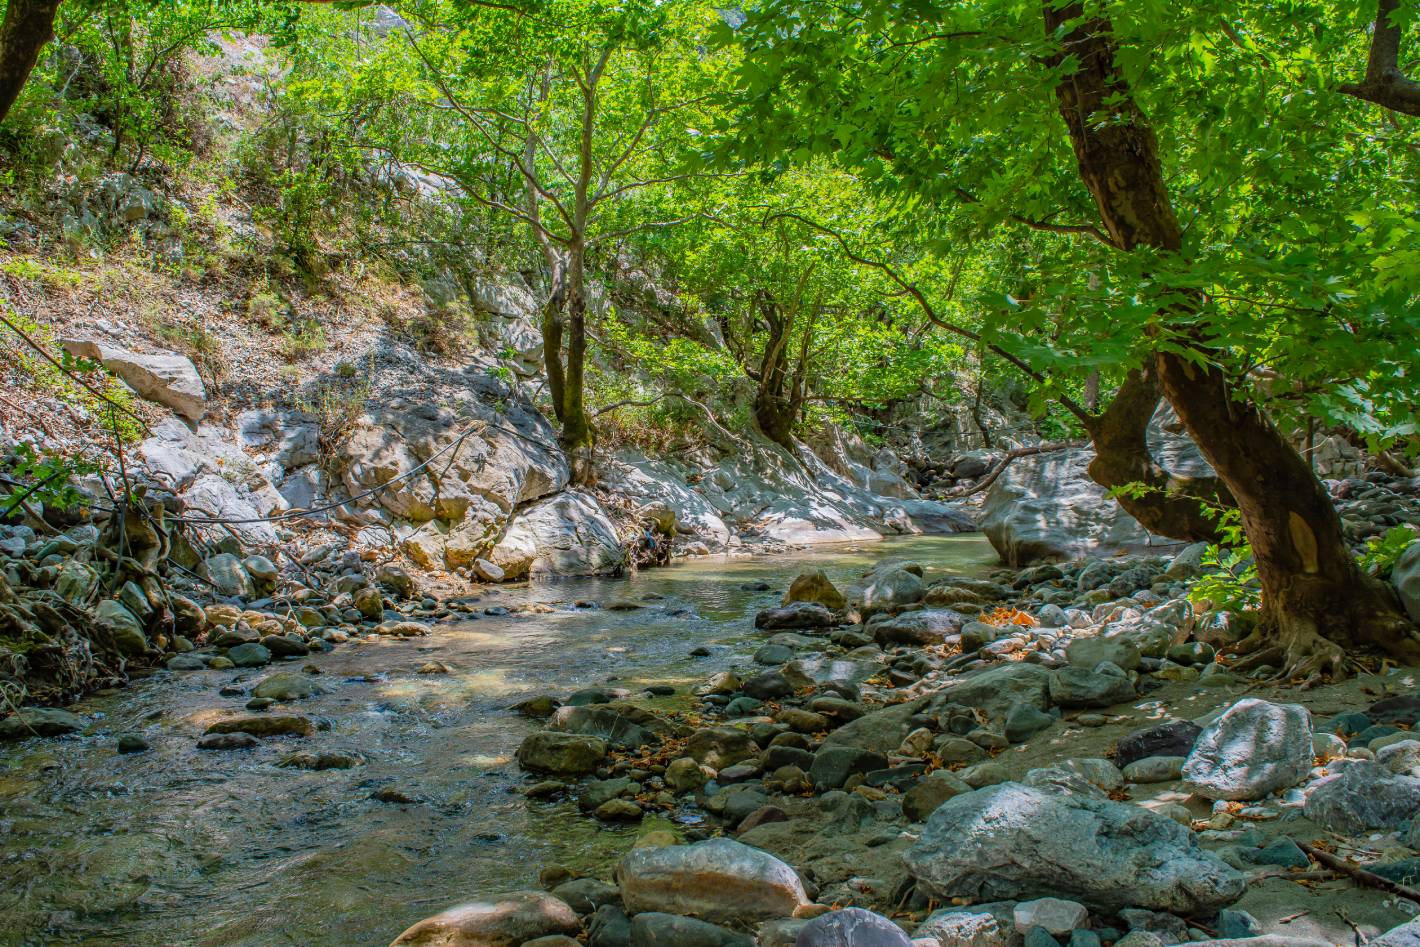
x: 1047, y: 507
x: 1011, y: 841
x: 720, y: 881
x: 1254, y: 748
x: 520, y: 917
x: 568, y: 534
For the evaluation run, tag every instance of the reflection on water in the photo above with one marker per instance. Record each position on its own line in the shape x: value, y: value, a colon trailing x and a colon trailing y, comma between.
x: 179, y: 846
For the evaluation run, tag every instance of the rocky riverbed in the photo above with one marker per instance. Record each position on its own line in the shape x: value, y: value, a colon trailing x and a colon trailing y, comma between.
x: 890, y: 744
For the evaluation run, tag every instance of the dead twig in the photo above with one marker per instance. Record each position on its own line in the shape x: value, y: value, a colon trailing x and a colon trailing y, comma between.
x: 1358, y: 874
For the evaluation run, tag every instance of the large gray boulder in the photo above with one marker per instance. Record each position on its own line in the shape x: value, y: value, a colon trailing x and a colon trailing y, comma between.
x: 561, y: 754
x: 721, y: 881
x: 568, y: 534
x: 1011, y: 841
x: 1364, y: 796
x: 891, y: 588
x: 1101, y: 686
x: 1252, y: 749
x: 166, y: 378
x: 998, y: 690
x: 1406, y: 577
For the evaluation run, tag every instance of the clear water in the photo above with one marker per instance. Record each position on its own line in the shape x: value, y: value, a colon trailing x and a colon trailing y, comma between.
x: 181, y: 846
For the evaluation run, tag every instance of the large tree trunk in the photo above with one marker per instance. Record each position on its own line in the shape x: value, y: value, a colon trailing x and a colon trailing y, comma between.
x: 578, y: 437
x: 1170, y: 504
x: 27, y: 27
x: 774, y: 411
x: 1316, y: 602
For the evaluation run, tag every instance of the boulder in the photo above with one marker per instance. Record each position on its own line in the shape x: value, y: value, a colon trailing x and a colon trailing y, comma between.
x: 929, y: 626
x: 931, y: 791
x: 881, y: 731
x: 1252, y: 749
x: 1088, y: 652
x: 226, y: 572
x: 1047, y: 507
x: 719, y: 747
x: 833, y: 765
x: 1172, y: 738
x: 999, y: 690
x: 981, y: 925
x: 1103, y: 685
x: 249, y: 655
x: 1364, y: 796
x: 1012, y: 841
x: 518, y: 918
x: 265, y: 725
x: 561, y: 754
x: 795, y: 615
x: 815, y: 587
x: 622, y: 726
x: 851, y: 927
x: 168, y: 378
x: 125, y: 630
x: 721, y: 881
x: 39, y: 722
x: 891, y: 588
x: 566, y: 534
x: 658, y: 929
x: 1055, y: 916
x: 285, y: 686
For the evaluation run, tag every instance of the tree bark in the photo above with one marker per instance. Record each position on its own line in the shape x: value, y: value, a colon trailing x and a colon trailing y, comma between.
x: 1385, y: 84
x: 27, y: 27
x: 1170, y: 506
x: 774, y: 410
x: 577, y: 435
x: 1316, y: 601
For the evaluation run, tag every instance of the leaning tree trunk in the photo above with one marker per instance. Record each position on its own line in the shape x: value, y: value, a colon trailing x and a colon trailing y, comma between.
x: 1170, y: 503
x: 1316, y: 602
x: 27, y: 27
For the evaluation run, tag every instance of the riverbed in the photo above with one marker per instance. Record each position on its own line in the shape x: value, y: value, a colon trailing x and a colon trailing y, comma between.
x: 180, y: 846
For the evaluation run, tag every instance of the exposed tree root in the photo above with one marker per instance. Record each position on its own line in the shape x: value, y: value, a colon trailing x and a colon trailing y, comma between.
x: 1298, y: 651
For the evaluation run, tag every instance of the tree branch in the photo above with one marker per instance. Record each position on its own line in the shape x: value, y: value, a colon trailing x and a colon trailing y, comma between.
x: 930, y: 311
x: 1086, y: 230
x: 1384, y: 84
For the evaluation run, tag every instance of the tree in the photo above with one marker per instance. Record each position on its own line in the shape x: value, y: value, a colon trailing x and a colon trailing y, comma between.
x: 1385, y: 83
x: 572, y: 121
x: 28, y: 26
x: 949, y: 104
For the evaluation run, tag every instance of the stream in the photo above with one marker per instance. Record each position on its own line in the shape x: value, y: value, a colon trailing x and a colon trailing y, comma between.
x: 180, y: 846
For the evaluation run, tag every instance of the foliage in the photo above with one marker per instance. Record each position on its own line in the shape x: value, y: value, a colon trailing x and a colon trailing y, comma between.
x: 1299, y: 231
x: 46, y: 477
x: 1384, y: 551
x: 1232, y: 584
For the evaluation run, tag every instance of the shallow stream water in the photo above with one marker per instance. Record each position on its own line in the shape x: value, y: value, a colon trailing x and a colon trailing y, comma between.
x: 181, y: 846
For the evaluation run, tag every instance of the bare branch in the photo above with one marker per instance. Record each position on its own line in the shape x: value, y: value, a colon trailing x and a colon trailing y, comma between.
x: 1086, y: 230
